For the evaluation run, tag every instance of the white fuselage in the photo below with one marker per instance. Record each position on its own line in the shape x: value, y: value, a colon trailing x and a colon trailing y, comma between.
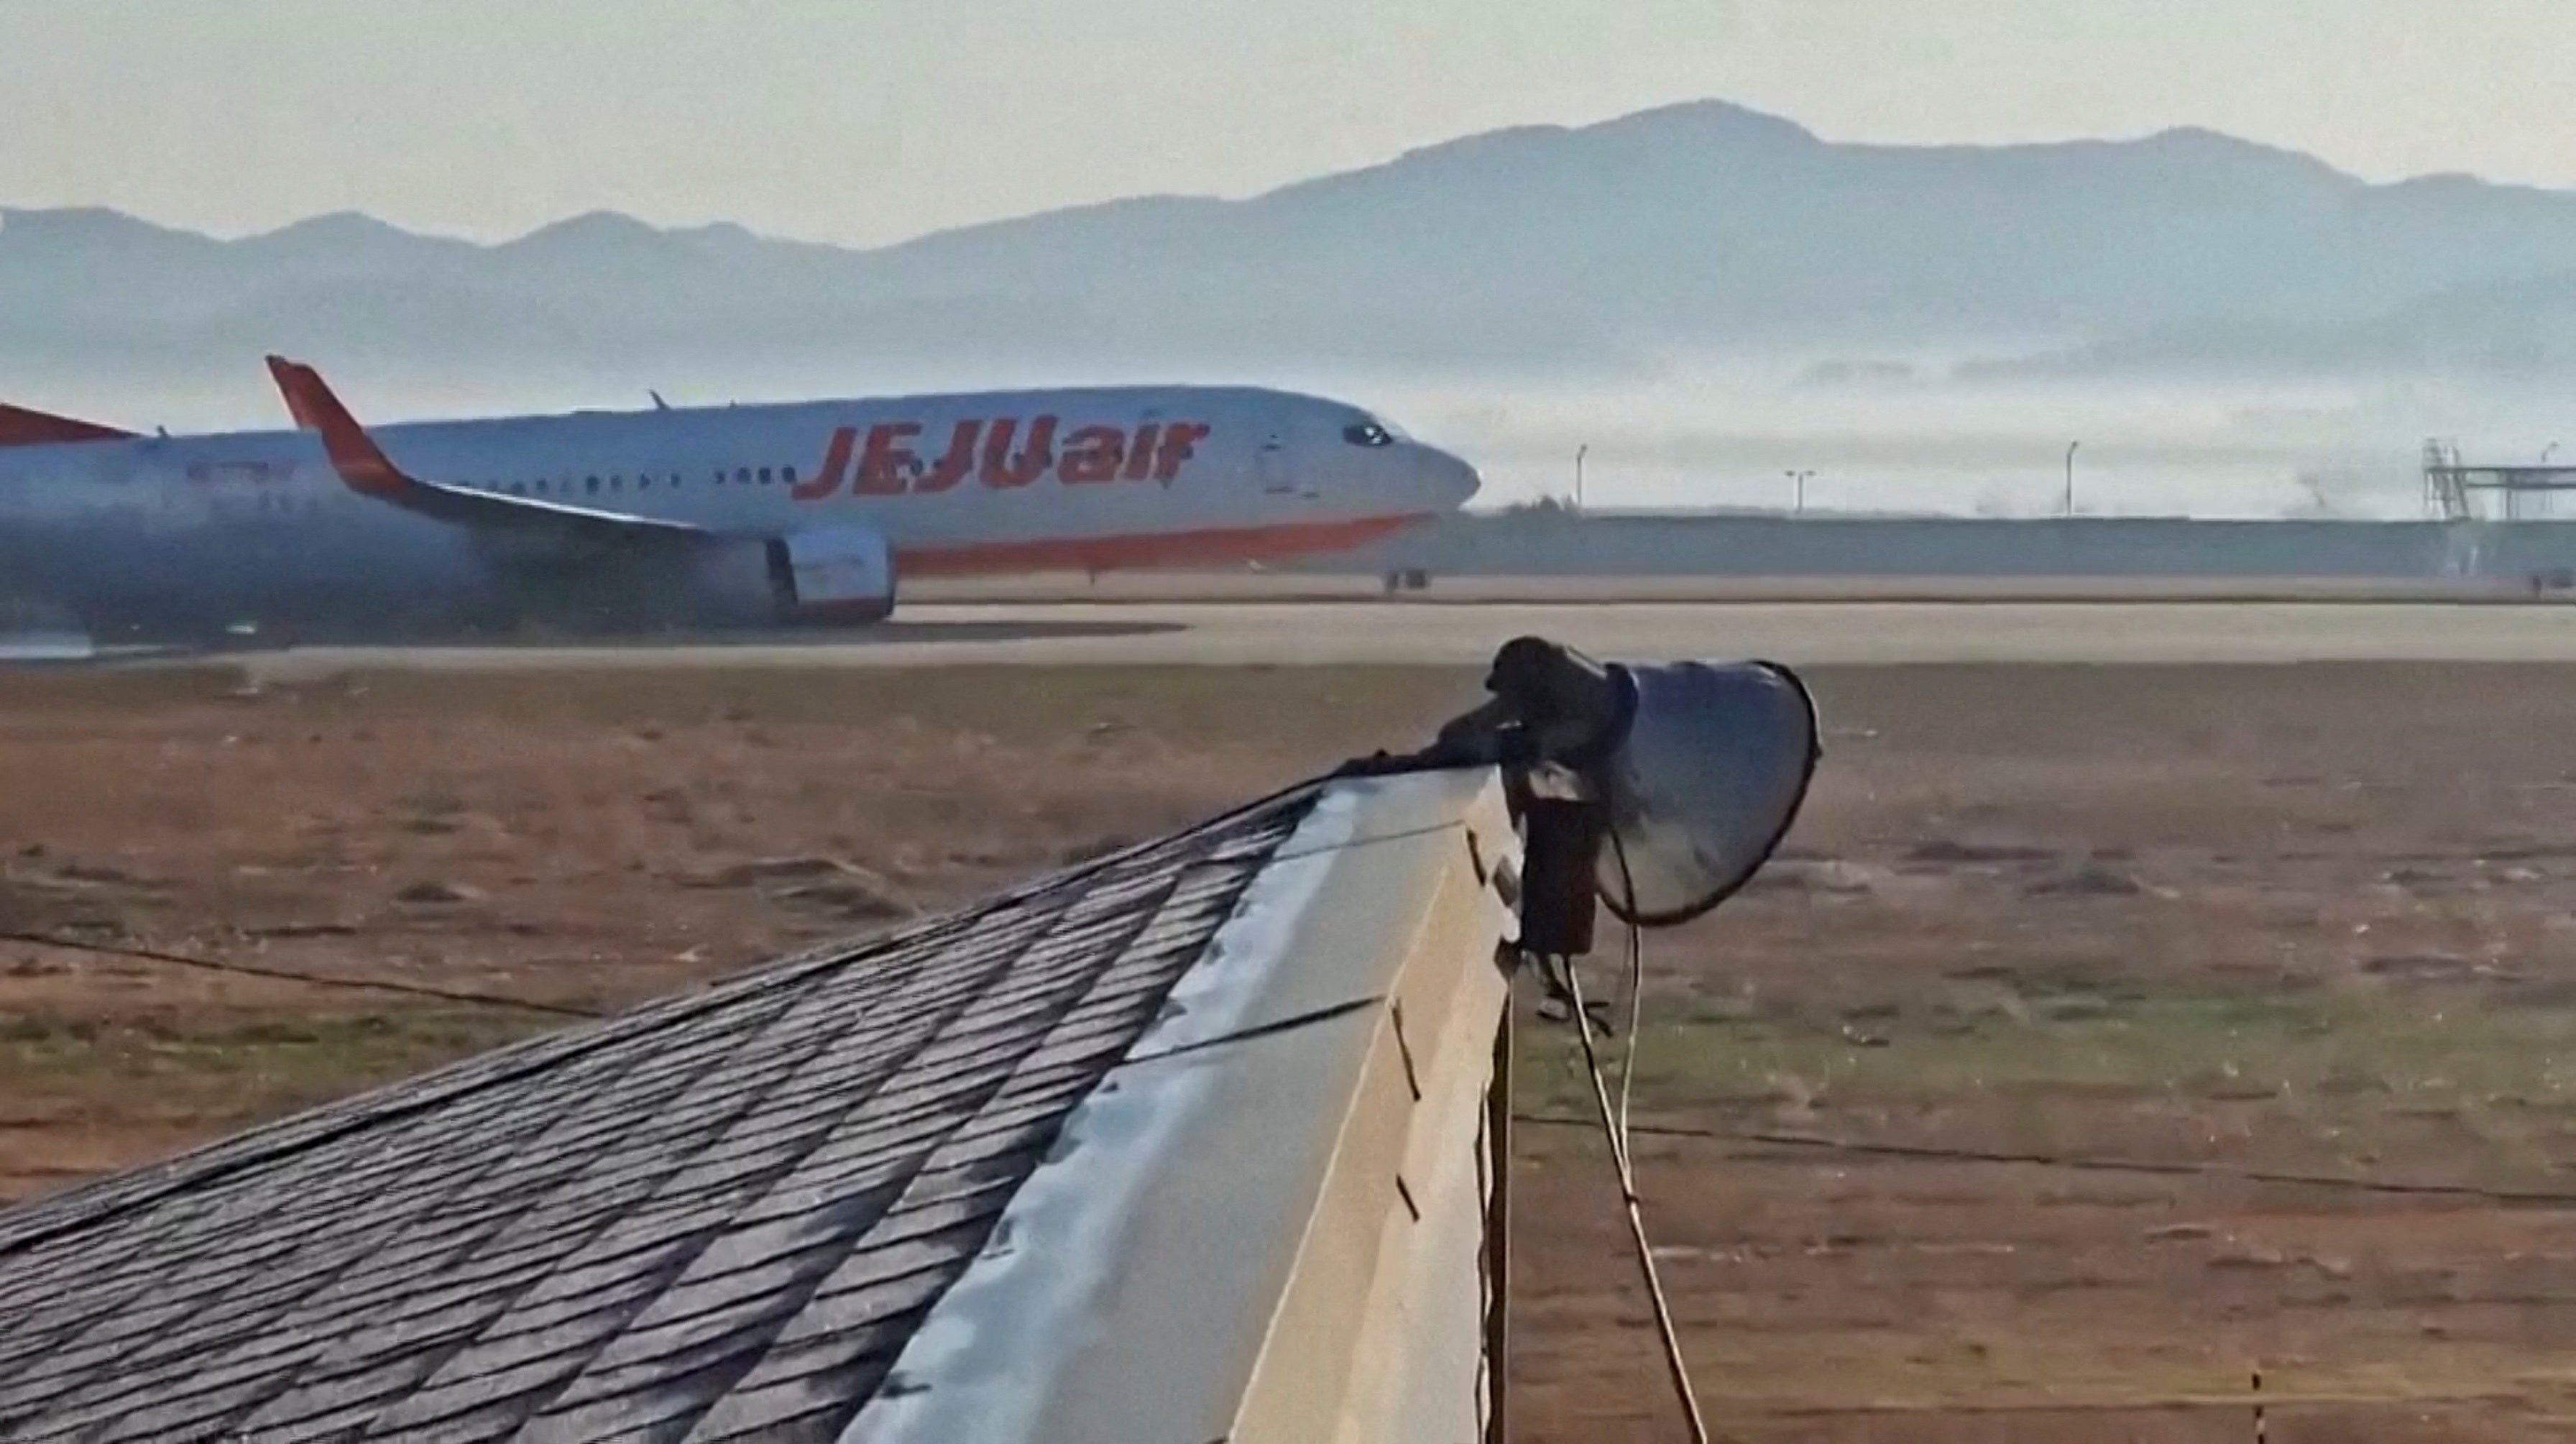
x: 203, y: 532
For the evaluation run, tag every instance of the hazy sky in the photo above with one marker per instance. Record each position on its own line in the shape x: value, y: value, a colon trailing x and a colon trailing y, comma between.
x: 869, y: 120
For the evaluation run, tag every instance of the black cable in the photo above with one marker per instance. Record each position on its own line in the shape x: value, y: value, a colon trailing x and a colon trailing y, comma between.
x: 1382, y: 765
x: 319, y: 980
x: 2074, y: 1161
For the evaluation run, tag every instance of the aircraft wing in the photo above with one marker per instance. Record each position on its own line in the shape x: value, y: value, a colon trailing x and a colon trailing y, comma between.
x: 22, y: 427
x: 366, y: 470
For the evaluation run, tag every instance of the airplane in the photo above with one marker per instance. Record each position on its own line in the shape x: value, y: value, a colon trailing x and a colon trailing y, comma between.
x: 708, y: 517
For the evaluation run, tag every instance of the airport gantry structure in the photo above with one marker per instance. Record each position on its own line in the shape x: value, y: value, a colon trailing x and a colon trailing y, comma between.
x: 2456, y: 490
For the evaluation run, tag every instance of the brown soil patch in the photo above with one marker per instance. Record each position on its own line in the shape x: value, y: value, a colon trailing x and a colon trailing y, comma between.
x: 2316, y: 921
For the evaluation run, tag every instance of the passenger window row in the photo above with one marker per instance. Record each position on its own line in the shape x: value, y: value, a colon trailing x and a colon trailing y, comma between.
x: 644, y: 481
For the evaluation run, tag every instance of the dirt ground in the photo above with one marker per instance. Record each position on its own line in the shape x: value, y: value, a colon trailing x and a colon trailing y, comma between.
x: 2107, y: 1035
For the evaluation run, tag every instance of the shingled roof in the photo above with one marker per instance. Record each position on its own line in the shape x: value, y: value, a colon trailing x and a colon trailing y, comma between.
x: 717, y: 1217
x: 723, y: 1216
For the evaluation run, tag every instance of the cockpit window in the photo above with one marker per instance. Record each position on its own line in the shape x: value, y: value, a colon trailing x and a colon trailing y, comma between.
x: 1368, y: 433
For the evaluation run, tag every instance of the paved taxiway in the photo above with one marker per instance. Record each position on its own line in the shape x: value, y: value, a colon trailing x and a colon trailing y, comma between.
x: 1815, y: 633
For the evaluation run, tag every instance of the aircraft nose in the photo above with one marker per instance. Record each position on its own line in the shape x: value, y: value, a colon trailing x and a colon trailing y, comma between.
x: 1448, y: 482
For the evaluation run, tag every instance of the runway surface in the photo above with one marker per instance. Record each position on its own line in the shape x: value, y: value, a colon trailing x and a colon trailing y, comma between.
x: 1814, y: 633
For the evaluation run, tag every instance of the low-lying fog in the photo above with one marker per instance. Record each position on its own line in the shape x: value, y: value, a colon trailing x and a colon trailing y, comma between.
x: 1876, y: 434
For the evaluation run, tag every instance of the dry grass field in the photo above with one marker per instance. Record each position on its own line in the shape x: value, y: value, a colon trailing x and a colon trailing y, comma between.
x: 2270, y: 934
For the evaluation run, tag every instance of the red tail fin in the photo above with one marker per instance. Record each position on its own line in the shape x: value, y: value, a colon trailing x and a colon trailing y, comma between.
x: 354, y: 454
x: 282, y: 371
x: 21, y: 427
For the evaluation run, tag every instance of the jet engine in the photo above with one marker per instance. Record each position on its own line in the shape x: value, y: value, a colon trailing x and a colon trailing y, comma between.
x: 826, y: 576
x: 833, y: 574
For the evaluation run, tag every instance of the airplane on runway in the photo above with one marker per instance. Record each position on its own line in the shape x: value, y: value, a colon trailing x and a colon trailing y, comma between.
x: 701, y: 517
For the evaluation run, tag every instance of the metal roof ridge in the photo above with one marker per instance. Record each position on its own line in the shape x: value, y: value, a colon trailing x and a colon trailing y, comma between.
x: 1136, y: 1283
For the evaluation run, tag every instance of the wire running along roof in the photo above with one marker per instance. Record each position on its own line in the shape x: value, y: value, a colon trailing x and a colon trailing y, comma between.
x: 719, y: 1217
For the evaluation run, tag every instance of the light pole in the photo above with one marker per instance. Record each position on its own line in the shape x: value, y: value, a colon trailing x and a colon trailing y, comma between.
x: 1798, y: 483
x: 1578, y: 474
x: 2070, y: 476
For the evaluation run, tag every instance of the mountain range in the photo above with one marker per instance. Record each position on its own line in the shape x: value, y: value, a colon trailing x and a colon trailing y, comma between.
x: 1696, y: 230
